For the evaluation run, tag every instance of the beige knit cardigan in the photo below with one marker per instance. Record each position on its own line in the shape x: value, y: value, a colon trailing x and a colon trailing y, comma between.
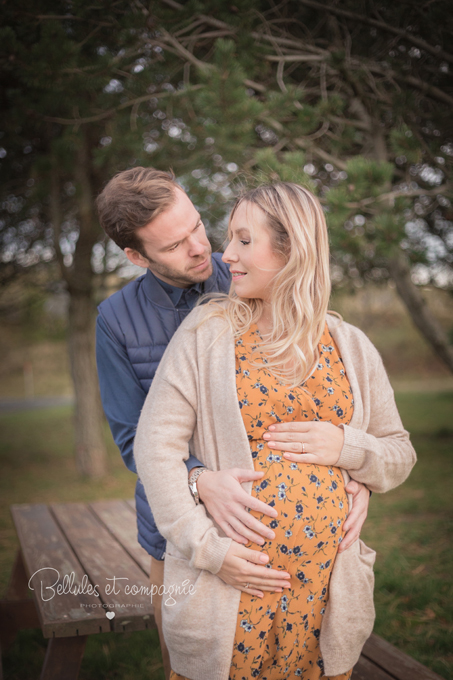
x: 193, y: 402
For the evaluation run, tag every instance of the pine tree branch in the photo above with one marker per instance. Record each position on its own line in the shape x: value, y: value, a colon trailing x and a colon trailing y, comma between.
x: 421, y: 85
x: 419, y: 42
x: 288, y: 42
x: 427, y: 150
x: 287, y: 58
x: 89, y: 36
x: 197, y: 22
x: 203, y: 36
x: 428, y: 89
x: 302, y: 143
x: 211, y: 21
x: 185, y: 53
x: 279, y: 76
x: 391, y: 195
x: 257, y: 35
x: 55, y: 17
x: 359, y: 124
x: 255, y: 86
x: 125, y: 105
x: 173, y: 4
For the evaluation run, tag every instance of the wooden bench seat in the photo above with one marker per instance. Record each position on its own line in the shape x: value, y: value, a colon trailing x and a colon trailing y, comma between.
x: 84, y: 547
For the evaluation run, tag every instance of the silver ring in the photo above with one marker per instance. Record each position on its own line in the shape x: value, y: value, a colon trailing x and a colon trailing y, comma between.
x: 303, y: 447
x: 247, y: 585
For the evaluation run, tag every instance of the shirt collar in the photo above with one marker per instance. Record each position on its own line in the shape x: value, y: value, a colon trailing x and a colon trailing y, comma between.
x: 174, y: 292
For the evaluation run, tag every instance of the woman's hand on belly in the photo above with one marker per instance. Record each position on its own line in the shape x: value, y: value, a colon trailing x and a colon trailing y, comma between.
x: 314, y: 442
x: 243, y: 566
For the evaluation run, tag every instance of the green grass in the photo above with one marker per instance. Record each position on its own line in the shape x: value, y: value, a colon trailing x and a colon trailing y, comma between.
x: 409, y: 527
x: 120, y: 656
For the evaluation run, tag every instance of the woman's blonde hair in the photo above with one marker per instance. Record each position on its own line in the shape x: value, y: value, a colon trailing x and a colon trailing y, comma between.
x: 301, y: 289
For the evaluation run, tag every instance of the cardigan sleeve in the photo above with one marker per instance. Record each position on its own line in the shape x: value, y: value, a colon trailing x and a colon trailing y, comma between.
x: 166, y: 426
x: 382, y: 456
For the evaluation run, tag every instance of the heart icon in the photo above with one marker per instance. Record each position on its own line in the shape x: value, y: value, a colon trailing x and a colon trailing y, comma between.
x: 110, y: 615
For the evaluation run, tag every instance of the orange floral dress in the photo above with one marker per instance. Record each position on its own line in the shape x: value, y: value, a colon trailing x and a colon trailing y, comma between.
x: 277, y: 637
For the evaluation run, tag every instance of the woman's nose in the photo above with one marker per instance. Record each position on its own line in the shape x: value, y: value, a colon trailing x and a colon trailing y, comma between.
x: 229, y: 255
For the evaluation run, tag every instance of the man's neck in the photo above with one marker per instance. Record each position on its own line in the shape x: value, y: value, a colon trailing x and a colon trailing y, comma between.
x: 166, y: 282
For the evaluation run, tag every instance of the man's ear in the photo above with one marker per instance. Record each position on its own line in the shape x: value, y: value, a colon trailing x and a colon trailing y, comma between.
x: 135, y: 257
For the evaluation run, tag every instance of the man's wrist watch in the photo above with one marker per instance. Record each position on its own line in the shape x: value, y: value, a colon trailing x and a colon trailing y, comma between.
x: 193, y: 478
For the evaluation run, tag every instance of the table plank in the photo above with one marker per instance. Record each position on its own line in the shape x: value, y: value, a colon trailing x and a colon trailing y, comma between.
x: 104, y: 559
x: 398, y: 664
x: 44, y: 547
x: 366, y: 670
x: 120, y: 519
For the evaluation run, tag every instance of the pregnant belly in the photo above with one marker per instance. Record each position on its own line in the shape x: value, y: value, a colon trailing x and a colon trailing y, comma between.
x: 312, y: 506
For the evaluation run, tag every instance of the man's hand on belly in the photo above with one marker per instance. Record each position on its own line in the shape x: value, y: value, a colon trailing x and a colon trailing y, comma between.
x: 356, y: 518
x: 227, y: 503
x: 314, y: 441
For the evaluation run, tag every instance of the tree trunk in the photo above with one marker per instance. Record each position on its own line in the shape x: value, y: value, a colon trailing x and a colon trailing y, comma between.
x: 90, y: 452
x: 418, y: 309
x: 399, y: 269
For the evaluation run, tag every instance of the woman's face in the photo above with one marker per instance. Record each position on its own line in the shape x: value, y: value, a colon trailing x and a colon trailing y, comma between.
x: 253, y: 262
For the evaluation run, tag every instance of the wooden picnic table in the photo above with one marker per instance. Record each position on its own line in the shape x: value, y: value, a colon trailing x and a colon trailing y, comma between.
x: 82, y: 545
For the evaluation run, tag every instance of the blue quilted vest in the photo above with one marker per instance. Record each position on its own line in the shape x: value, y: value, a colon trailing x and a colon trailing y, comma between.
x: 143, y: 319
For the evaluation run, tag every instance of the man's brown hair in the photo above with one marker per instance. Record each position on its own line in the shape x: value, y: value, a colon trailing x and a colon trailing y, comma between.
x: 131, y: 200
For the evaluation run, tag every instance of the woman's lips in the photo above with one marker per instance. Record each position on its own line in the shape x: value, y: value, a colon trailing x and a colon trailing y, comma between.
x: 237, y: 275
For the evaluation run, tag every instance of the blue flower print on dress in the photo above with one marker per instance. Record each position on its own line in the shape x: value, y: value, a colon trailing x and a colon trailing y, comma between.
x: 279, y: 633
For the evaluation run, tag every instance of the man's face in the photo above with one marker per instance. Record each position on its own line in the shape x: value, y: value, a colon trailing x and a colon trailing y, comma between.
x: 176, y: 246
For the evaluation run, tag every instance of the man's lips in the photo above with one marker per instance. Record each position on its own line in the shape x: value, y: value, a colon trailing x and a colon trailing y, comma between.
x: 202, y: 264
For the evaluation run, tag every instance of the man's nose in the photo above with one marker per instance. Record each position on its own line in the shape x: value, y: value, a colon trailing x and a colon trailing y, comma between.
x: 196, y: 247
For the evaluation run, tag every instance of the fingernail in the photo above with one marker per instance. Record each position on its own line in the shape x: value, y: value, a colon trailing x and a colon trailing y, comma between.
x: 264, y: 558
x: 266, y: 436
x: 271, y: 427
x: 286, y: 455
x: 271, y: 444
x: 271, y: 535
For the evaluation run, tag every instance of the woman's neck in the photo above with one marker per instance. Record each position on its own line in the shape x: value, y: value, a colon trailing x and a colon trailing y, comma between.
x: 264, y: 323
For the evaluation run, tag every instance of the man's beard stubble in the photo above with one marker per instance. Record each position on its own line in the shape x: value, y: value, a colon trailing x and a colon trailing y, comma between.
x: 181, y: 279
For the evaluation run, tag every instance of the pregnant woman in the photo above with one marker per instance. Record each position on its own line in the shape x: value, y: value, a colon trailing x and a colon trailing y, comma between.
x: 239, y: 365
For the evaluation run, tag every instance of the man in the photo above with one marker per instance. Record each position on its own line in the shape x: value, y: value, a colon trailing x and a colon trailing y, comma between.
x: 153, y: 220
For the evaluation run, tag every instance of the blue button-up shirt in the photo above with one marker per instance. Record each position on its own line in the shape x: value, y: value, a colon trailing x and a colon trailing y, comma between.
x: 122, y: 394
x: 182, y: 298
